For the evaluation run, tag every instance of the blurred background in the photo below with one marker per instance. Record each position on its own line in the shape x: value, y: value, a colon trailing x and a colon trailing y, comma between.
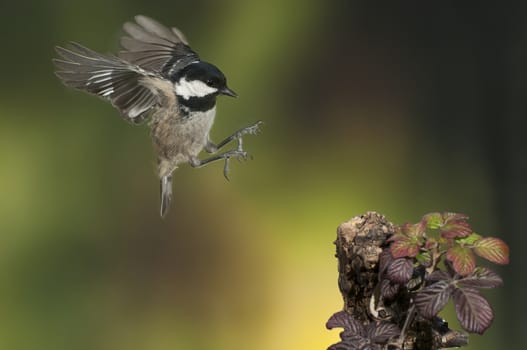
x: 399, y: 108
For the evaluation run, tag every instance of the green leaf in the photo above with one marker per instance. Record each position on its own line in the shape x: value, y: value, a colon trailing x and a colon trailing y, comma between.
x: 424, y: 258
x: 433, y: 220
x: 462, y: 259
x: 492, y: 249
x: 470, y: 239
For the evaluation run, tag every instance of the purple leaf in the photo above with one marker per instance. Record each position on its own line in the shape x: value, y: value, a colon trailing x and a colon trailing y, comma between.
x: 381, y: 332
x: 481, y: 277
x: 432, y: 299
x: 473, y: 310
x: 348, y: 344
x: 439, y: 275
x: 389, y: 289
x: 343, y: 319
x: 400, y: 270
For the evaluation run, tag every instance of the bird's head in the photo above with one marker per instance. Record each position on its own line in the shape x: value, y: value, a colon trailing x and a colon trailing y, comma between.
x: 201, y: 80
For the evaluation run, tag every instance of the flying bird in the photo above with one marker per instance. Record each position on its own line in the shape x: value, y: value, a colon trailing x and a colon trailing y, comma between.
x: 158, y: 77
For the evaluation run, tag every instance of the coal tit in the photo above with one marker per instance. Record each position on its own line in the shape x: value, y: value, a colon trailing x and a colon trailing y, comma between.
x: 158, y: 76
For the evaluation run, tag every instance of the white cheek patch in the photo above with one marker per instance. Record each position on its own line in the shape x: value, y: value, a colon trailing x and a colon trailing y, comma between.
x: 193, y: 88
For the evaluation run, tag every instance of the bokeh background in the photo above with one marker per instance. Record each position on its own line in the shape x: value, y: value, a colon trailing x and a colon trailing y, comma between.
x: 400, y: 108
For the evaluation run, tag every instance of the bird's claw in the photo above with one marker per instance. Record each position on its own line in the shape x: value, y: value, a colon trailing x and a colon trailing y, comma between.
x: 240, y: 154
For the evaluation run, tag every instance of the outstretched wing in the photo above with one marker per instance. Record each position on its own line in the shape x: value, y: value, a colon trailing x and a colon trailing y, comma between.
x: 131, y: 89
x: 154, y: 47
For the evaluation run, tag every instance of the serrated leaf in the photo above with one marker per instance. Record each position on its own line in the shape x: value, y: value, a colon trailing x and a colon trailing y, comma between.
x: 439, y: 275
x: 433, y: 220
x: 432, y: 299
x: 462, y: 259
x: 472, y: 310
x: 400, y: 270
x: 404, y: 246
x: 381, y: 332
x: 424, y: 258
x: 470, y: 239
x: 389, y: 289
x: 492, y: 249
x: 481, y: 277
x: 455, y: 225
x: 343, y: 319
x: 348, y: 344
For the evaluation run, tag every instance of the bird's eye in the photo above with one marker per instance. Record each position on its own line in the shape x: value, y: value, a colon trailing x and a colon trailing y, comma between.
x: 209, y: 82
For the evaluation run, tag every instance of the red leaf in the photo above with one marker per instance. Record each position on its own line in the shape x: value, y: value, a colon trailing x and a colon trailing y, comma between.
x: 462, y: 259
x: 403, y: 246
x: 472, y: 310
x: 432, y: 299
x: 493, y: 249
x: 455, y: 225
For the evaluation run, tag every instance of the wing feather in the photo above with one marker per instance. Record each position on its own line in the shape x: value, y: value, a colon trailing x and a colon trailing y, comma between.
x: 130, y: 88
x: 154, y: 47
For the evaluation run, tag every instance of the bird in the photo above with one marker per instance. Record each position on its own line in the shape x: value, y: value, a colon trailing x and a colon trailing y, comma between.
x: 158, y: 78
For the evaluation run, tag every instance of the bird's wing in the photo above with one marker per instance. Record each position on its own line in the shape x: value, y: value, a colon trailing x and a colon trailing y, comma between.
x: 131, y: 89
x: 154, y: 47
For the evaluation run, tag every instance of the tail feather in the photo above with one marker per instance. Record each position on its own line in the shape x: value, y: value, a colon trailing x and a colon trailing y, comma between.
x: 166, y: 194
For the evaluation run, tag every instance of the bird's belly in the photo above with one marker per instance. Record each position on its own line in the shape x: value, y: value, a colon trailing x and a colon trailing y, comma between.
x: 179, y: 140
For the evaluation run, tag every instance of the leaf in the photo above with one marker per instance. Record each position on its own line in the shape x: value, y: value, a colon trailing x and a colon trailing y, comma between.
x: 347, y: 344
x: 462, y: 259
x: 433, y: 220
x: 455, y: 225
x: 432, y: 299
x: 492, y: 249
x: 400, y: 270
x: 381, y: 332
x: 439, y: 275
x: 403, y: 246
x: 424, y: 258
x: 343, y: 319
x: 473, y: 310
x: 389, y: 289
x: 481, y: 277
x: 470, y: 239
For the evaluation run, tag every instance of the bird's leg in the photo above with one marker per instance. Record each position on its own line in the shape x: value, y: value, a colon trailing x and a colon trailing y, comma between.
x: 235, y: 153
x: 251, y: 130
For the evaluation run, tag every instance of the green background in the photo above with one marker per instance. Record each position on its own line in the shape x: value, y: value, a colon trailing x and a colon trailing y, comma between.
x: 403, y: 109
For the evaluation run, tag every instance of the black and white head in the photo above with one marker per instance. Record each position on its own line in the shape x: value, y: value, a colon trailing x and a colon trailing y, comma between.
x: 198, y: 84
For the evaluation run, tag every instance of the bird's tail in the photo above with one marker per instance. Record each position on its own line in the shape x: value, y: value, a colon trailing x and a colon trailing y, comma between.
x: 166, y: 193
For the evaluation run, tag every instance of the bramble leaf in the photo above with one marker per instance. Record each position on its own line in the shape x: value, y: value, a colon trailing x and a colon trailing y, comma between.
x: 473, y: 310
x: 424, y: 258
x: 481, y: 277
x: 343, y: 319
x: 432, y: 299
x: 433, y: 220
x: 404, y: 246
x: 439, y: 275
x: 400, y: 270
x: 492, y: 249
x: 463, y: 261
x: 470, y: 239
x: 381, y: 332
x: 389, y: 289
x: 455, y: 225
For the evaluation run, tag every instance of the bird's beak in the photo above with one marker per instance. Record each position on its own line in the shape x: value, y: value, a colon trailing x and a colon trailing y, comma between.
x: 228, y: 92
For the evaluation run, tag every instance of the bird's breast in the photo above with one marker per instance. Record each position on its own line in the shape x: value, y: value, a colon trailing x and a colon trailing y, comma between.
x: 178, y: 138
